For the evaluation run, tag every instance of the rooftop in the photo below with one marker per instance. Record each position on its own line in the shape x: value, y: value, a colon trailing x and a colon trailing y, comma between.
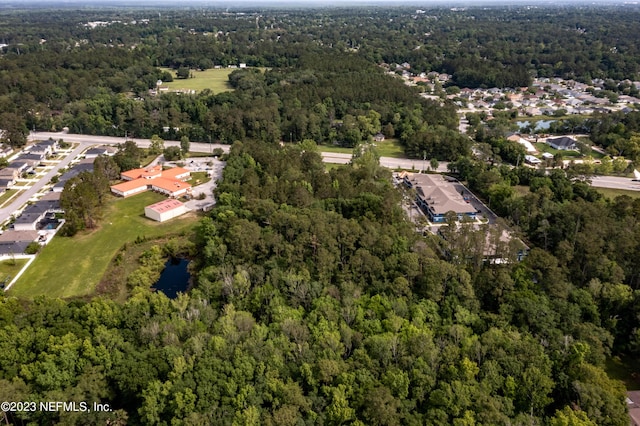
x: 439, y: 194
x: 146, y: 173
x: 165, y: 206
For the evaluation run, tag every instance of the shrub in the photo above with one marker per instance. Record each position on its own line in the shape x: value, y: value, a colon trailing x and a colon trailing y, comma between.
x: 32, y: 248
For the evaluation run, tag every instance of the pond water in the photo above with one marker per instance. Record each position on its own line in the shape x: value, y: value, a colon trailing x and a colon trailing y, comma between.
x: 174, y: 278
x: 540, y: 124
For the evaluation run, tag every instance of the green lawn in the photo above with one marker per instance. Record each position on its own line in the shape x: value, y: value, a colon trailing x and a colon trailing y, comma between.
x: 217, y: 80
x: 9, y: 269
x: 70, y: 267
x: 8, y: 194
x: 543, y: 147
x: 388, y: 148
x: 198, y: 178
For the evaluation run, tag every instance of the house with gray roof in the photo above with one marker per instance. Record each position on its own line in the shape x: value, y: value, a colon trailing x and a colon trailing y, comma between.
x: 563, y: 143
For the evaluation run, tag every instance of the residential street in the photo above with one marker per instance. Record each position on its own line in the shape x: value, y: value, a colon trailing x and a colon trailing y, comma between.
x: 23, y: 198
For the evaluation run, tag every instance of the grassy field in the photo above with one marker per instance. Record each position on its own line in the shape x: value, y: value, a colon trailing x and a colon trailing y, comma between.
x: 214, y: 79
x: 613, y: 193
x: 70, y: 267
x: 9, y: 269
x: 388, y: 148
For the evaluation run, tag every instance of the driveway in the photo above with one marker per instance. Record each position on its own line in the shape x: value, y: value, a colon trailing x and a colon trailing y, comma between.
x: 213, y: 167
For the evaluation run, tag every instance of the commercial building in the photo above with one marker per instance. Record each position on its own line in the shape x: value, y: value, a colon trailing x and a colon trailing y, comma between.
x: 170, y: 182
x: 437, y: 196
x: 165, y: 210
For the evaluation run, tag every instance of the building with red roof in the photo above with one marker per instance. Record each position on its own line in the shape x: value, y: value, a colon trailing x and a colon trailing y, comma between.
x: 165, y: 210
x: 170, y: 182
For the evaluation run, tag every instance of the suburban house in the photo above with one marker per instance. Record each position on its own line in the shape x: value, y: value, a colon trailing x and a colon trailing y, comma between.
x: 170, y: 182
x: 7, y: 182
x: 9, y: 173
x: 436, y: 197
x: 98, y: 151
x: 564, y: 143
x: 32, y: 217
x: 378, y: 137
x: 33, y: 160
x: 44, y: 148
x: 165, y: 210
x: 85, y: 165
x: 19, y: 166
x: 16, y: 242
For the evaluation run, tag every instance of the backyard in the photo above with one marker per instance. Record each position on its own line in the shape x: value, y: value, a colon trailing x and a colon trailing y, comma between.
x: 71, y: 267
x: 8, y: 269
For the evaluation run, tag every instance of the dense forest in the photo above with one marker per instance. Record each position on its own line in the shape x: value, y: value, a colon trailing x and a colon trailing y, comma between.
x: 314, y: 299
x: 58, y: 71
x: 316, y: 302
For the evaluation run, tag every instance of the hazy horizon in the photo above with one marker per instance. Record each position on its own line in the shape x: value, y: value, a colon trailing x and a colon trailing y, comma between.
x: 305, y: 3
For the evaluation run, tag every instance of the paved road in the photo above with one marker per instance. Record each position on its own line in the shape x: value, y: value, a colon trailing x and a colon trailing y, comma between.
x: 615, y: 183
x: 88, y: 140
x: 22, y: 199
x: 390, y: 162
x: 328, y: 157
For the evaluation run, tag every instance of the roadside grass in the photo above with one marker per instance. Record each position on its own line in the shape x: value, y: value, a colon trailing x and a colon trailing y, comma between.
x: 625, y: 370
x: 612, y: 193
x: 9, y: 268
x: 72, y: 267
x: 388, y: 148
x: 216, y: 80
x: 330, y: 166
x: 191, y: 154
x: 9, y: 194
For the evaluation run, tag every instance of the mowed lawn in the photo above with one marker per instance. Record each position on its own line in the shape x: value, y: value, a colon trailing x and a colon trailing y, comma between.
x: 9, y: 269
x: 70, y: 267
x: 217, y: 80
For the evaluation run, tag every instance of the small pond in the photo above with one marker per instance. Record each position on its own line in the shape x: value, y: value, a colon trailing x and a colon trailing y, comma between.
x: 174, y: 278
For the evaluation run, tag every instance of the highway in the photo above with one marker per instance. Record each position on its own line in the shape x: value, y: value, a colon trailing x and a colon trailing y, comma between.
x: 86, y: 141
x: 90, y: 140
x: 328, y: 157
x: 615, y: 182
